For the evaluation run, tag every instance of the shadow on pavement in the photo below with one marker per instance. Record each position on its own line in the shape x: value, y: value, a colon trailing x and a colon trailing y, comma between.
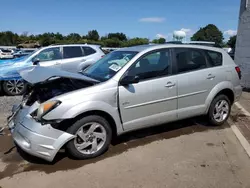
x: 20, y: 161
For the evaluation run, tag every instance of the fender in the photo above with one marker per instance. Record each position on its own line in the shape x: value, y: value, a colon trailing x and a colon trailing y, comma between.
x: 218, y: 88
x: 95, y: 105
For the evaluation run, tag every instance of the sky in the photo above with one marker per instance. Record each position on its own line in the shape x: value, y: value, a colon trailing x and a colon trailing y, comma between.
x: 135, y: 18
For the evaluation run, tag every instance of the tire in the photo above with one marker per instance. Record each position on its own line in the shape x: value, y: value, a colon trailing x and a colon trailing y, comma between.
x: 86, y: 141
x: 17, y: 90
x: 215, y: 117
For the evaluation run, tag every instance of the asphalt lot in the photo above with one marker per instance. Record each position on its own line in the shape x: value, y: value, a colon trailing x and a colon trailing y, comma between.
x: 188, y: 153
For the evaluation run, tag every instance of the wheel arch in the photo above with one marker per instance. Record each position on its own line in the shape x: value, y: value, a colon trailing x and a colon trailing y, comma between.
x: 68, y: 122
x: 225, y: 88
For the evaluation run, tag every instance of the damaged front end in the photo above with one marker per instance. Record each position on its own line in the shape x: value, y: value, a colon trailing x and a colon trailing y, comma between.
x: 44, y: 91
x: 41, y: 138
x: 46, y: 83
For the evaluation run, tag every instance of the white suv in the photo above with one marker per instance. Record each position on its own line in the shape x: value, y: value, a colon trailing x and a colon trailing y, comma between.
x: 72, y: 58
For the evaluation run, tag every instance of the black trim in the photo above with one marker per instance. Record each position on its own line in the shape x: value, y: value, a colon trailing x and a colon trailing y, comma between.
x: 187, y: 49
x: 144, y: 55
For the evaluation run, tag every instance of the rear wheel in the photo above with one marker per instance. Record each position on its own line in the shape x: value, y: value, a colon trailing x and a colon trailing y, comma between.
x: 219, y: 110
x: 93, y: 136
x: 14, y: 87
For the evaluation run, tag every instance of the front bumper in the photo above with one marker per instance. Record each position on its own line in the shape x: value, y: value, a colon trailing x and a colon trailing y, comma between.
x: 42, y: 141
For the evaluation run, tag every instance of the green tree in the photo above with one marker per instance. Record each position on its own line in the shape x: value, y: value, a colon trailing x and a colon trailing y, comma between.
x: 155, y: 41
x: 208, y: 33
x: 161, y: 40
x: 120, y: 36
x: 93, y: 35
x: 73, y: 37
x: 113, y: 42
x: 232, y: 41
x: 135, y: 41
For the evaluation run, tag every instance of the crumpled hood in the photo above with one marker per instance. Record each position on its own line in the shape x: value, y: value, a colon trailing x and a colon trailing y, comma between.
x: 36, y: 74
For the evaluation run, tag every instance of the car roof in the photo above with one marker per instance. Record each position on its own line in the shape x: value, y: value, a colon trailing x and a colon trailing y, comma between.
x: 149, y: 47
x: 61, y: 45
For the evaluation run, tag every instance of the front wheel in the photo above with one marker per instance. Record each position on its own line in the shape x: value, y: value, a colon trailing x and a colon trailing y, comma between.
x: 92, y: 137
x: 219, y: 110
x: 14, y: 87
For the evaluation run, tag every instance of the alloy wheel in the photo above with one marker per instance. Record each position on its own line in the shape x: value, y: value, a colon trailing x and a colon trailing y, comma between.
x: 15, y: 87
x: 90, y: 138
x: 221, y: 110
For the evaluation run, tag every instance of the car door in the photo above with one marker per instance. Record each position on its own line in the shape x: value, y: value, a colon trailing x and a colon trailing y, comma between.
x: 73, y: 56
x: 50, y: 57
x: 91, y: 56
x: 194, y: 81
x: 154, y: 99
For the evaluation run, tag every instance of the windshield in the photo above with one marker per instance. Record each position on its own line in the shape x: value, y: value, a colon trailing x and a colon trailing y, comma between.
x: 109, y: 65
x: 29, y: 55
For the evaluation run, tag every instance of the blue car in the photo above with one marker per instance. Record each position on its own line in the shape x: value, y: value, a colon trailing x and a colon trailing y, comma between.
x: 11, y: 82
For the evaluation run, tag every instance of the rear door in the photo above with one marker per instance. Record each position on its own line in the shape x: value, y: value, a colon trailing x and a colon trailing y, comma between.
x: 73, y: 56
x: 195, y: 80
x: 50, y: 57
x: 91, y: 56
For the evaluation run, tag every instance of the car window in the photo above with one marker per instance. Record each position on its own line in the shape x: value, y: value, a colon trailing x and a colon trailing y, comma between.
x: 88, y: 51
x: 72, y: 52
x: 109, y: 65
x: 49, y: 54
x: 215, y: 58
x: 188, y: 59
x: 155, y: 64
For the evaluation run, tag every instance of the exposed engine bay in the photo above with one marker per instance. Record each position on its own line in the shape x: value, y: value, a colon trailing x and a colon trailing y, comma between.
x: 46, y: 90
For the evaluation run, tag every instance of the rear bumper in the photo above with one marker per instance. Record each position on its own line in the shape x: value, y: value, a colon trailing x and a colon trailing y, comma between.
x: 237, y: 93
x: 42, y: 141
x: 6, y: 56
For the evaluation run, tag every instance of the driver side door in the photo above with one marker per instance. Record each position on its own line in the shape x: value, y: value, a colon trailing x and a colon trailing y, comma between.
x: 50, y: 57
x: 153, y: 100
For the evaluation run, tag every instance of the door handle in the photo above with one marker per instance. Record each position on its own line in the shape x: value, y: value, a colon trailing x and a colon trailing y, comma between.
x: 210, y: 77
x: 170, y: 84
x: 58, y: 63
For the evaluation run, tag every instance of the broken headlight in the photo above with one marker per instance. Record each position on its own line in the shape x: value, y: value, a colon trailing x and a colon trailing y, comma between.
x: 46, y: 107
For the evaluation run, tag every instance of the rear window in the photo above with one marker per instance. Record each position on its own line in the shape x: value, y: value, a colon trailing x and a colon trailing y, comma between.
x: 215, y: 58
x: 88, y: 51
x: 72, y: 52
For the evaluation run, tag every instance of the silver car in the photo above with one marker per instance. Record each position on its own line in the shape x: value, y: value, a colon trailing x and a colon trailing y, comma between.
x: 72, y: 58
x: 128, y: 89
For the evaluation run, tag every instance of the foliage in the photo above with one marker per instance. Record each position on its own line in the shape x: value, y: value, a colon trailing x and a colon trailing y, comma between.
x: 232, y: 41
x: 119, y: 36
x: 9, y: 38
x: 159, y: 41
x: 93, y: 35
x: 208, y: 33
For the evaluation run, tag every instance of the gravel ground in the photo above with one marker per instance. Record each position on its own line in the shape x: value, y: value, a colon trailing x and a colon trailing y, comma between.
x: 6, y: 103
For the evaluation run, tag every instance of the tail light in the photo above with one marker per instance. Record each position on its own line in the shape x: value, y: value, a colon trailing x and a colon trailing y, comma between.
x: 238, y: 71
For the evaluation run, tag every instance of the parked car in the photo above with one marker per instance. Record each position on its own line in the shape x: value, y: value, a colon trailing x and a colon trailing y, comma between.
x: 6, y: 54
x: 23, y: 52
x: 72, y: 58
x: 29, y: 44
x: 157, y: 84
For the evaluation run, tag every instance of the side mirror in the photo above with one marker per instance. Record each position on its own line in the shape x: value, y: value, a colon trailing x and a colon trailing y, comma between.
x: 129, y: 80
x: 36, y: 61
